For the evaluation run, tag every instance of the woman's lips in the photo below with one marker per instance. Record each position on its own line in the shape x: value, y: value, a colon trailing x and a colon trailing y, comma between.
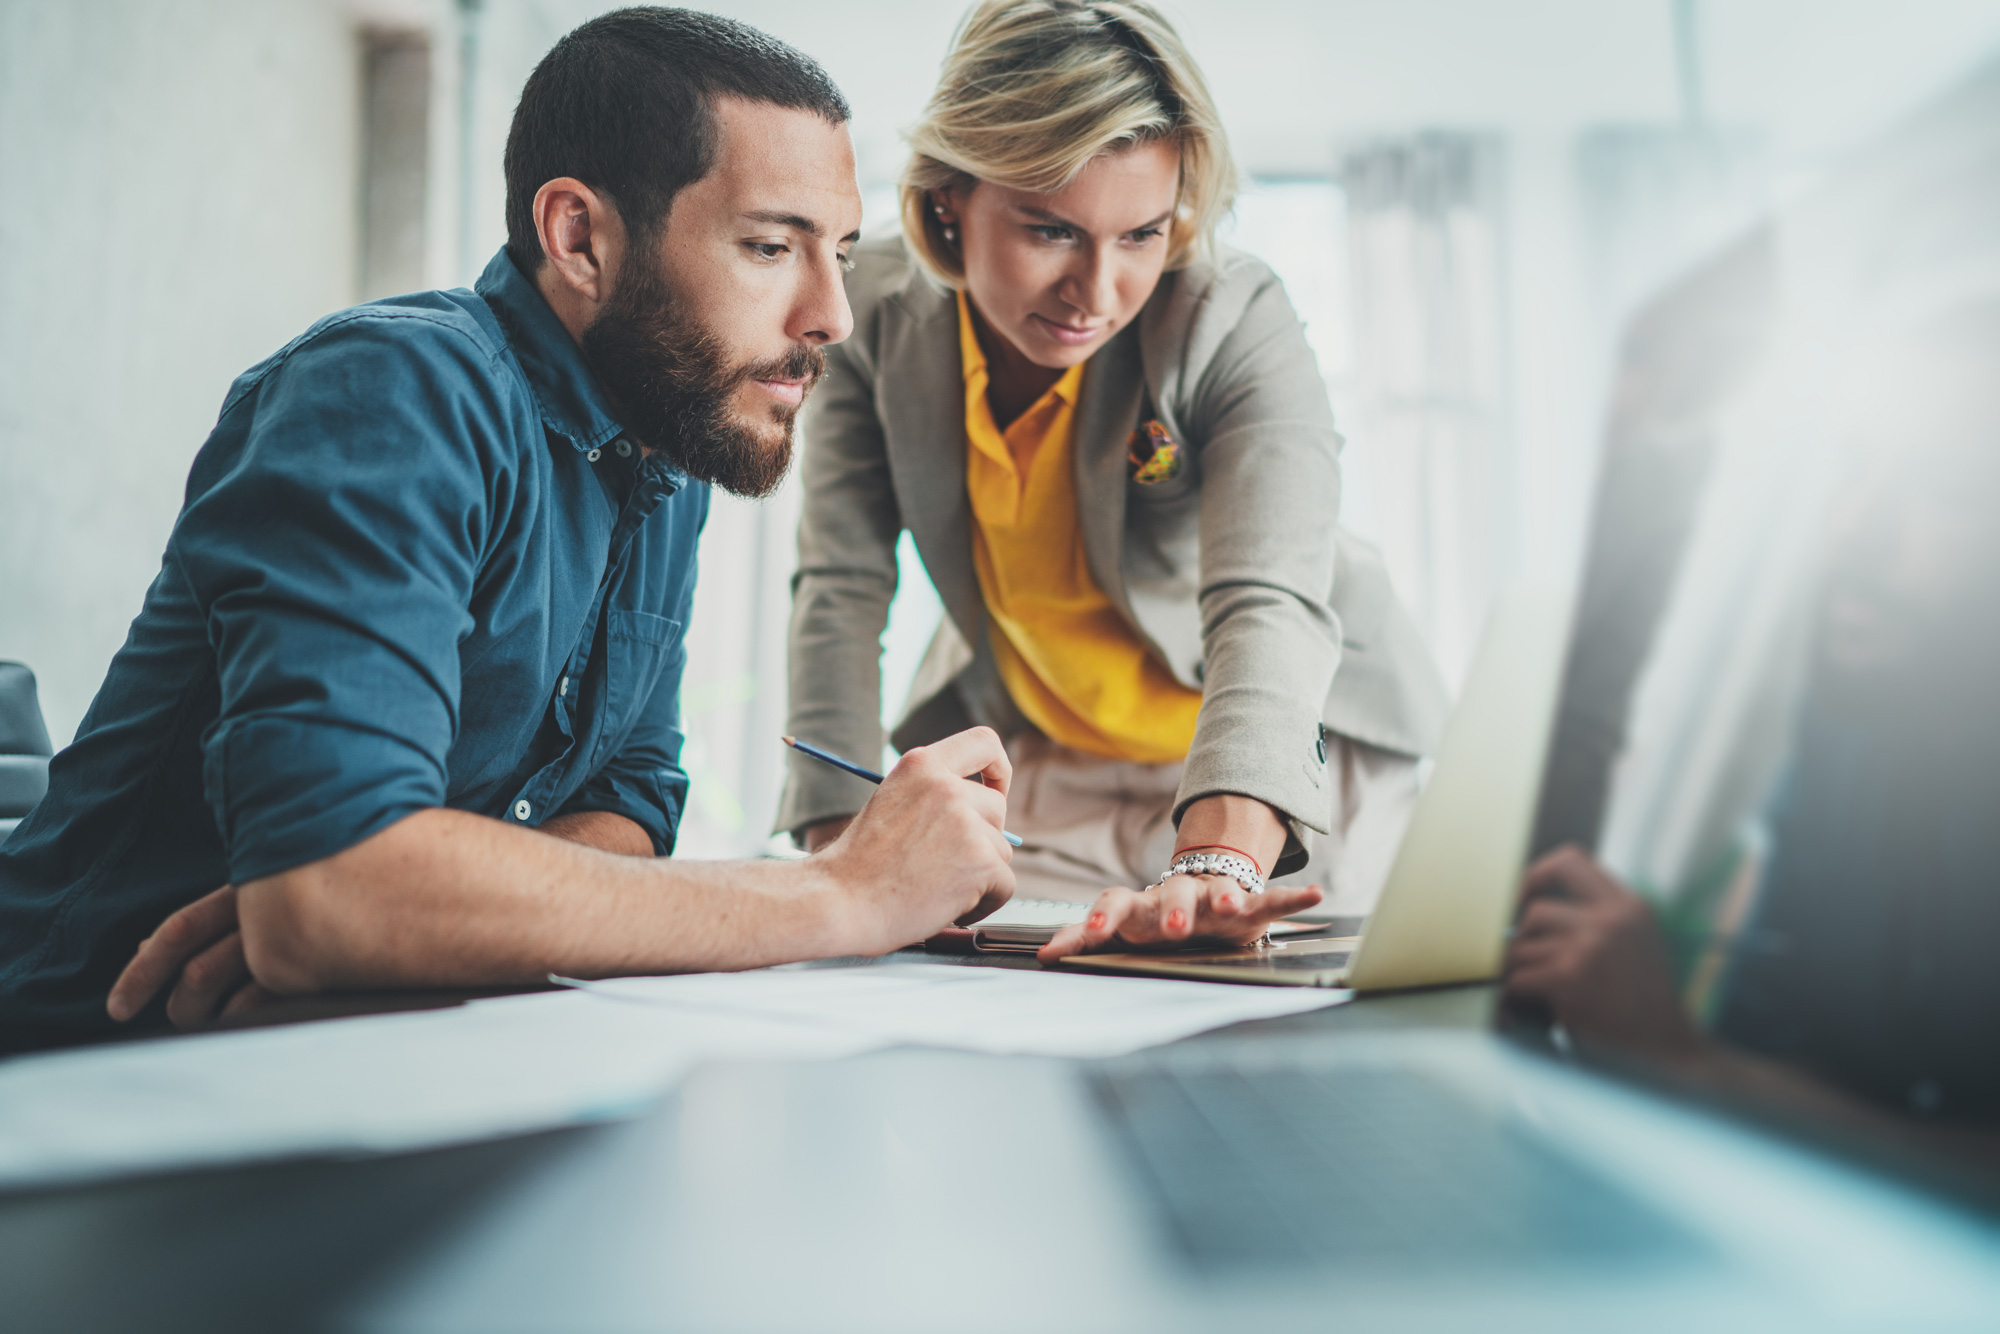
x: 790, y: 392
x: 1070, y: 335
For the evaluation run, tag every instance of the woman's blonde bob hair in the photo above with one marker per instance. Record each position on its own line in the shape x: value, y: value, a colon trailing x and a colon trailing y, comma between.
x: 1034, y: 89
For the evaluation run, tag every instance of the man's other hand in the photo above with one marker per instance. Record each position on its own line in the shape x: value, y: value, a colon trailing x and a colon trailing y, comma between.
x: 200, y: 948
x: 200, y: 951
x: 926, y: 851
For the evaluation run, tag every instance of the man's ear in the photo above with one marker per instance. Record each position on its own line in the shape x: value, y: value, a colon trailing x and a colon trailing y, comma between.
x: 582, y: 238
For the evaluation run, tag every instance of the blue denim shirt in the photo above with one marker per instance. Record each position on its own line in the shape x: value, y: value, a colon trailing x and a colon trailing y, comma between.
x: 418, y: 565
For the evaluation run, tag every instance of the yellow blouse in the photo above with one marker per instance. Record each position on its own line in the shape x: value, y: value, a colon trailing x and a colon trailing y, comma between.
x: 1072, y: 664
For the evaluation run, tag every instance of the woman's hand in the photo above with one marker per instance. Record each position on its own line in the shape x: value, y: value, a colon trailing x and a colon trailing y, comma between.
x: 1202, y: 909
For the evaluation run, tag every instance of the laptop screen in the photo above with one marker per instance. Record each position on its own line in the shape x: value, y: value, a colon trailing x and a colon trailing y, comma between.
x: 1766, y: 861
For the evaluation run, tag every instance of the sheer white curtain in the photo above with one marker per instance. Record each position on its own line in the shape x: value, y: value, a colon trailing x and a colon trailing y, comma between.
x: 1429, y: 404
x: 733, y: 693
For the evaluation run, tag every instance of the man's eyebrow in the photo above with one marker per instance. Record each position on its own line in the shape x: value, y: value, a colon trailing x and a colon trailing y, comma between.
x: 1057, y: 220
x: 778, y: 218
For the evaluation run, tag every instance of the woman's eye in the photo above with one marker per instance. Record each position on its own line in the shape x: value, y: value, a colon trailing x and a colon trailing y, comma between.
x: 1145, y: 234
x: 1048, y: 233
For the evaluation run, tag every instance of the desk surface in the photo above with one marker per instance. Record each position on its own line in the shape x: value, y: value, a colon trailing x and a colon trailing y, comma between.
x: 293, y: 1245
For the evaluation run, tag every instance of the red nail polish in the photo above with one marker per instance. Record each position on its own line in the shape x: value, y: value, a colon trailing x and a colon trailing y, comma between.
x: 1229, y: 902
x: 1176, y: 920
x: 1096, y: 920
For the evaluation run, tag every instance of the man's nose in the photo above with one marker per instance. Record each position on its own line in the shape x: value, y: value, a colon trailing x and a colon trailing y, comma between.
x: 822, y: 315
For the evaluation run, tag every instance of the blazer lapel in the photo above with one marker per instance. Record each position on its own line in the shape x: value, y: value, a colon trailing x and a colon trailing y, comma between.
x: 1107, y: 410
x: 920, y: 390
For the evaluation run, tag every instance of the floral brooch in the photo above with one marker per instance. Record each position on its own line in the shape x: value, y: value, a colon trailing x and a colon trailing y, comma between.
x: 1152, y: 455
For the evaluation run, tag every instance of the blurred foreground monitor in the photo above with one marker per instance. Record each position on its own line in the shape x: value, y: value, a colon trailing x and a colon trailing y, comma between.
x: 1777, y: 756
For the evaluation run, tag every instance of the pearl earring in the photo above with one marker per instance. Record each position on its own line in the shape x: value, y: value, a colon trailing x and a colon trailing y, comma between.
x: 950, y: 234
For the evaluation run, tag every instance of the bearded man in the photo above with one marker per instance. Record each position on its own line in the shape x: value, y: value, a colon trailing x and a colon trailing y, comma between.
x: 406, y: 687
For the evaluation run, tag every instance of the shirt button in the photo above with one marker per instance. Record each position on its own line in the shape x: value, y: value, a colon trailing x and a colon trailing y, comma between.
x: 594, y: 455
x: 624, y: 448
x: 522, y: 810
x: 1319, y: 748
x: 562, y: 687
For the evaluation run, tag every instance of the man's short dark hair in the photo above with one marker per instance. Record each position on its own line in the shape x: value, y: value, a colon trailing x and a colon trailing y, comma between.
x: 625, y: 105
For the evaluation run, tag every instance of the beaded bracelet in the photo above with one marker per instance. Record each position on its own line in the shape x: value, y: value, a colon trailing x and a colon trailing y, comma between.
x: 1240, y: 869
x: 1225, y: 848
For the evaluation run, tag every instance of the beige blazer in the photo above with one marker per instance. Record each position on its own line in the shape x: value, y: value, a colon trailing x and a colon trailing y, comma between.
x: 1235, y: 574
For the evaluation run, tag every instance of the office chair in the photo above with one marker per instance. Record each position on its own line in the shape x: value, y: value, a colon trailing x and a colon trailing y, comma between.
x: 24, y: 746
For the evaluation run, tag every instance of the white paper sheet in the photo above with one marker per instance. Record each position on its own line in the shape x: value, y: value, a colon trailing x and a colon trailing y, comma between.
x: 375, y: 1084
x: 1001, y: 1011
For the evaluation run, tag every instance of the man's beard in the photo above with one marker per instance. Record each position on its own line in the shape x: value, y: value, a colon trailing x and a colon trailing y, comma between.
x: 672, y: 387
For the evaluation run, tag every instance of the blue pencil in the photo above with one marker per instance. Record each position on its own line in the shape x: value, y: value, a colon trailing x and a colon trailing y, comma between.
x: 828, y: 757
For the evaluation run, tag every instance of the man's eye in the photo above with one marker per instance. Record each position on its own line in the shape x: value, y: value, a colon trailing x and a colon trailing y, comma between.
x: 846, y: 263
x: 768, y: 249
x: 1048, y: 233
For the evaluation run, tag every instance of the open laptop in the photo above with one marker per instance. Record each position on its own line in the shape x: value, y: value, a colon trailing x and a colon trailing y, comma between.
x: 1443, y: 912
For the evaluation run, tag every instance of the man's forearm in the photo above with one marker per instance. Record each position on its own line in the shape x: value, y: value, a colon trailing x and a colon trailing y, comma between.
x: 446, y: 898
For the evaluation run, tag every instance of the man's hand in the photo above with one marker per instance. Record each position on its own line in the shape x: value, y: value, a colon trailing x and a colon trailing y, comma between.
x: 926, y: 851
x: 819, y: 835
x: 200, y: 951
x: 1589, y: 950
x: 1185, y: 909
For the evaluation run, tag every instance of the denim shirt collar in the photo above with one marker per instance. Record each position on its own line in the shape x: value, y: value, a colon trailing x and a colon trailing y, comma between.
x: 571, y: 404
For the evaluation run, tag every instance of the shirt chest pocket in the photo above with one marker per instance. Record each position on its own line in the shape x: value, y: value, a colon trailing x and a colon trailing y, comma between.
x: 638, y: 646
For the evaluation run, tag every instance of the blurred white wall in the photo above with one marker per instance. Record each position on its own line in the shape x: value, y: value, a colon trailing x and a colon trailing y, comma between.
x: 180, y: 183
x: 184, y: 198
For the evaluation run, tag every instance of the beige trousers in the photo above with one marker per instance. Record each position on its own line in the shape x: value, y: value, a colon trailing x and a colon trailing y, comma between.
x: 1087, y: 823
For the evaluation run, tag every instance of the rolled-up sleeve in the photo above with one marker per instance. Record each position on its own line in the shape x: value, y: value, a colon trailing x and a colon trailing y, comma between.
x: 333, y: 558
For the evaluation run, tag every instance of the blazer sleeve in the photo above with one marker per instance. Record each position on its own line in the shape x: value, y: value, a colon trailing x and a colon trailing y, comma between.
x: 840, y: 595
x: 1269, y: 465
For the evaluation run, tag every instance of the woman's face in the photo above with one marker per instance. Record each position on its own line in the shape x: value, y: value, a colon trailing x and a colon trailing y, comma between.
x: 1057, y: 275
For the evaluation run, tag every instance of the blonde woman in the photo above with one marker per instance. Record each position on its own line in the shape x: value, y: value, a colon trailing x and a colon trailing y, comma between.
x: 1113, y: 449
